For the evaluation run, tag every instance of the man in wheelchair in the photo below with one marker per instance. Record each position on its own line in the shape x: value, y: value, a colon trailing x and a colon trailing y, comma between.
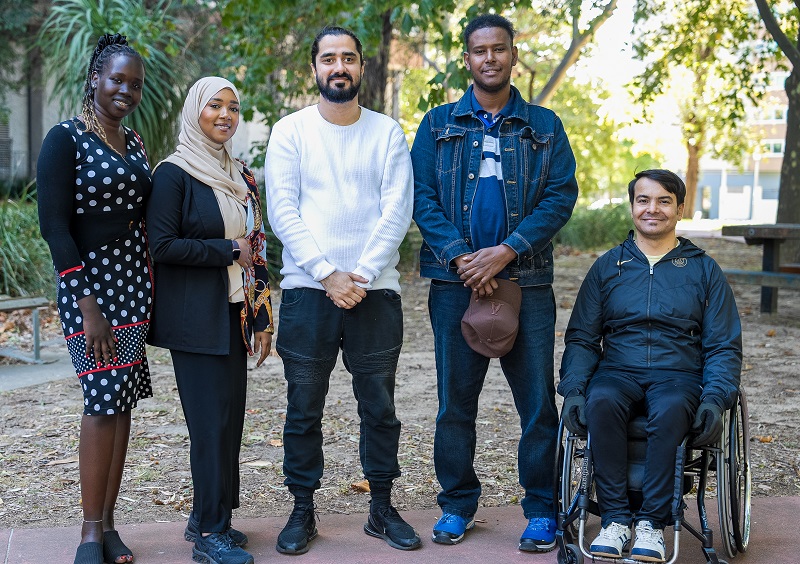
x: 654, y: 323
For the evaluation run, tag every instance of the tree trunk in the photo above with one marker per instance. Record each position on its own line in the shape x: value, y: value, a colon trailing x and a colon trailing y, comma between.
x: 373, y: 88
x: 692, y: 173
x: 789, y: 197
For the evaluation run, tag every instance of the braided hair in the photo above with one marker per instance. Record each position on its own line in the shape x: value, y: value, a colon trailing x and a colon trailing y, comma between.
x: 108, y: 47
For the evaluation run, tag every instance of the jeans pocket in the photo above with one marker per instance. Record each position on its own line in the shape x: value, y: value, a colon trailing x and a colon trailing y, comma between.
x: 291, y: 296
x: 391, y: 295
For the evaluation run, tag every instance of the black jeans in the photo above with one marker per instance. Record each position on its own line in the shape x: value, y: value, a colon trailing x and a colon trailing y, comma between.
x: 311, y: 332
x: 670, y: 401
x: 213, y: 391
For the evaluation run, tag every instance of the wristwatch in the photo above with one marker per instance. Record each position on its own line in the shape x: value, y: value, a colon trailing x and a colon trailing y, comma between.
x: 236, y: 250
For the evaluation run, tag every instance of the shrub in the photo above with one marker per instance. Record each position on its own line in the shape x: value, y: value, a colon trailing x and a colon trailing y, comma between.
x: 596, y: 229
x: 25, y: 264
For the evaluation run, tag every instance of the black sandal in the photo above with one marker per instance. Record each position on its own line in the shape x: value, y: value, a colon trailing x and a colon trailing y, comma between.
x: 113, y: 547
x: 89, y: 553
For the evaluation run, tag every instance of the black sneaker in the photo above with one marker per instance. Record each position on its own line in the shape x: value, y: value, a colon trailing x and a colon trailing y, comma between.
x: 218, y: 548
x: 299, y: 530
x: 191, y: 532
x: 385, y: 523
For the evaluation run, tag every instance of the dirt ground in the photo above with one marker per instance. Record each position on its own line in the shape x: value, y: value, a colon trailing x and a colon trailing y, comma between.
x: 39, y: 426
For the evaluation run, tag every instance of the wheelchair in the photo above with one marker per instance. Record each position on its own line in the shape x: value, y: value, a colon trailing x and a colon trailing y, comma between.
x: 724, y: 465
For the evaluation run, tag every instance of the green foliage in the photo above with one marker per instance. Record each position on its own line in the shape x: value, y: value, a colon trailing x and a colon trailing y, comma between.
x: 14, y: 189
x: 268, y: 44
x: 70, y: 33
x: 16, y: 17
x: 596, y: 229
x: 25, y: 264
x: 719, y: 48
x: 606, y: 162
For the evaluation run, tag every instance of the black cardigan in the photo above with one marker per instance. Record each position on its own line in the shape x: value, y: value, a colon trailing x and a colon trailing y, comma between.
x: 186, y: 234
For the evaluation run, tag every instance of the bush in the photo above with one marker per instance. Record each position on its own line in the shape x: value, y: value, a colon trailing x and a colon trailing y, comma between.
x: 17, y: 188
x: 25, y: 264
x: 596, y: 229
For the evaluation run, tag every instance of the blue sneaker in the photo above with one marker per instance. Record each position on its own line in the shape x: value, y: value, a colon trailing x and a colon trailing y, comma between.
x: 450, y: 529
x: 539, y: 535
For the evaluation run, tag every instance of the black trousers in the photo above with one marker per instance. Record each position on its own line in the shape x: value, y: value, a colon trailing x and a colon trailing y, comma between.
x: 213, y: 391
x: 670, y: 401
x: 312, y: 331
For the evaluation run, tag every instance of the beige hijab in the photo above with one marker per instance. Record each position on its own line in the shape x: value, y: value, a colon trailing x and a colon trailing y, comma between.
x: 208, y: 162
x: 212, y: 164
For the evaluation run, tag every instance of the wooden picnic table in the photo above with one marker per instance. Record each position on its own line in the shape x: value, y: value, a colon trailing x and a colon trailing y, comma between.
x: 771, y: 237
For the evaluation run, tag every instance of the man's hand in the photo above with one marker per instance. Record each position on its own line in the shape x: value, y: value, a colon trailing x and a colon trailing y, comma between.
x: 478, y: 269
x: 341, y: 289
x: 707, y: 424
x: 574, y: 414
x: 262, y: 341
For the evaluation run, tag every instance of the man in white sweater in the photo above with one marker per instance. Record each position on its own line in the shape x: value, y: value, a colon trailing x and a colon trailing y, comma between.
x: 340, y: 196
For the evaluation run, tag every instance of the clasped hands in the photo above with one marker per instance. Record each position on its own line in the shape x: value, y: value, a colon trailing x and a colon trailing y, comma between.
x: 341, y: 288
x: 478, y: 269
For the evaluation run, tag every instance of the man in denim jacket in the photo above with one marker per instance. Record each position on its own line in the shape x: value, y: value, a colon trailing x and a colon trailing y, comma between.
x: 494, y: 181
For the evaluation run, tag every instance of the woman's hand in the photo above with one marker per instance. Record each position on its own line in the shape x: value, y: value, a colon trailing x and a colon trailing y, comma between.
x: 245, y: 259
x: 262, y: 341
x: 100, y: 340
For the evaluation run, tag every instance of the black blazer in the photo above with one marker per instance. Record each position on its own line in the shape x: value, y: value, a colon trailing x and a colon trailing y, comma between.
x: 187, y: 241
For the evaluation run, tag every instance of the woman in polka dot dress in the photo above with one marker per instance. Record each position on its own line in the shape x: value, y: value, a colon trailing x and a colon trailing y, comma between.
x: 93, y: 180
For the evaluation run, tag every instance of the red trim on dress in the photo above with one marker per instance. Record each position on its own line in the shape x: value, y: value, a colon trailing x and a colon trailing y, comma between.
x: 106, y: 368
x: 67, y: 271
x: 113, y: 328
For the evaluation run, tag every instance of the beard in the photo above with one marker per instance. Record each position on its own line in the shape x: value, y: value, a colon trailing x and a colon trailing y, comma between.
x: 338, y: 95
x: 491, y: 88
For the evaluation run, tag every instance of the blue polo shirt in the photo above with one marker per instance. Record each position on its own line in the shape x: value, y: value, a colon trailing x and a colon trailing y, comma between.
x: 488, y: 219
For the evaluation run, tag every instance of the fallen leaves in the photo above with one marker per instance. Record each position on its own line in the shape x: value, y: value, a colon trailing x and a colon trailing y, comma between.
x: 69, y: 460
x: 362, y: 486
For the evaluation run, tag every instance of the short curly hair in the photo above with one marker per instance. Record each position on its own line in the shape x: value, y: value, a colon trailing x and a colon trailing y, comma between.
x: 485, y: 21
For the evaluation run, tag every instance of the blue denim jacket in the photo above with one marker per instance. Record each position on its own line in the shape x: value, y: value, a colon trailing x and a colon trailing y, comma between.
x: 539, y: 181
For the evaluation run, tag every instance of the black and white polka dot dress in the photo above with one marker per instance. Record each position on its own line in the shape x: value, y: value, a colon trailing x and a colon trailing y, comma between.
x: 110, y: 190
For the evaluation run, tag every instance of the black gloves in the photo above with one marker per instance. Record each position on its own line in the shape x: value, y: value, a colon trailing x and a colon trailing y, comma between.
x: 574, y: 413
x: 707, y: 424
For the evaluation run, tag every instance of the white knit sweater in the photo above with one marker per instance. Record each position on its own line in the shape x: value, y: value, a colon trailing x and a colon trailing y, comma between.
x: 339, y: 197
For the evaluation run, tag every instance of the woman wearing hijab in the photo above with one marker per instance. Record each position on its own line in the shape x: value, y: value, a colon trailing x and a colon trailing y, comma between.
x: 212, y: 298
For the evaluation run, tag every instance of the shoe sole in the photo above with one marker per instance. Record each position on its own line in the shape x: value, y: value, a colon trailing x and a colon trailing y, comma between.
x: 645, y: 558
x: 204, y: 558
x: 378, y: 535
x: 604, y: 554
x: 531, y: 547
x: 303, y: 550
x: 443, y: 538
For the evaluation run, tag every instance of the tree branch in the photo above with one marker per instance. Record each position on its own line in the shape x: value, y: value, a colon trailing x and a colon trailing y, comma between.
x: 789, y: 49
x: 579, y: 41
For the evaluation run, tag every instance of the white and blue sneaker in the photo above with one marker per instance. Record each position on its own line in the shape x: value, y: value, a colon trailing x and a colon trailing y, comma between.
x: 539, y: 535
x: 649, y: 545
x: 612, y: 541
x: 450, y: 528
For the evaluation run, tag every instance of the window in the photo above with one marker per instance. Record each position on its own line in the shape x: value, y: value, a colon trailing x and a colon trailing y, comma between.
x: 772, y: 147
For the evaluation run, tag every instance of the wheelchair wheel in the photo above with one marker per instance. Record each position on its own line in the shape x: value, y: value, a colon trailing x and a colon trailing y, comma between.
x: 569, y: 469
x: 734, y: 479
x: 739, y: 473
x: 574, y: 555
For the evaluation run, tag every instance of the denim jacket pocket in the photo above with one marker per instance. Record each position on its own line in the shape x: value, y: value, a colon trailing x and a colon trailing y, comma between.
x: 449, y: 148
x: 535, y: 148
